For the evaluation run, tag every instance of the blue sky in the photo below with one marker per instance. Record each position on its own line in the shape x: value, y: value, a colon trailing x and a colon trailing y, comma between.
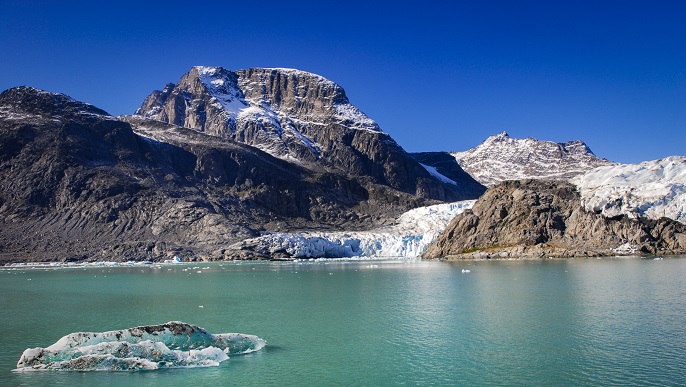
x: 435, y: 75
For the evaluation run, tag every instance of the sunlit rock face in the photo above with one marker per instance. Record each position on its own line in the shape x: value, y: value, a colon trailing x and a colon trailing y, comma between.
x: 539, y: 218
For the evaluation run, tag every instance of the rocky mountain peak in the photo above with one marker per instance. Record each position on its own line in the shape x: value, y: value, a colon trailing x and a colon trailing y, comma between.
x: 296, y: 116
x: 501, y: 157
x: 276, y: 110
x: 498, y: 137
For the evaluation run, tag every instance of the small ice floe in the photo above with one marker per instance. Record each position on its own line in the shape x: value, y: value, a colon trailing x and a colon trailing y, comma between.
x: 171, y: 345
x: 176, y: 259
x: 466, y: 271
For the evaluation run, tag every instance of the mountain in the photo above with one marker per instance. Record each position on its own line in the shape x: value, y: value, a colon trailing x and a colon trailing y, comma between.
x: 534, y: 218
x: 299, y: 117
x: 651, y: 189
x: 79, y: 184
x: 501, y: 157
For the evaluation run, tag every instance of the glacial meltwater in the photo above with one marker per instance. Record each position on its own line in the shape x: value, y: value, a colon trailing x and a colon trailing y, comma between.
x: 618, y: 321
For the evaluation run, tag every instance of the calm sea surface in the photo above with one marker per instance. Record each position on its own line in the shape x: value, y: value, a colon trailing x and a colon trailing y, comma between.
x: 552, y: 322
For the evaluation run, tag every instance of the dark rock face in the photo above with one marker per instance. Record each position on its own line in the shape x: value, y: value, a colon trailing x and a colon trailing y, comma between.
x: 79, y: 184
x: 297, y: 115
x: 544, y: 218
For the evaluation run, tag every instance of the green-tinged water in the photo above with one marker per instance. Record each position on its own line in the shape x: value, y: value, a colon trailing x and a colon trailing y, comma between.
x: 553, y: 322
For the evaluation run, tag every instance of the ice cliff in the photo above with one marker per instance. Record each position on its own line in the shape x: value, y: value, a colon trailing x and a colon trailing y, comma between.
x: 409, y: 237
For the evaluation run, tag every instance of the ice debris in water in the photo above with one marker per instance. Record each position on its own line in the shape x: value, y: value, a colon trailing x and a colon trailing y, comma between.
x: 171, y: 345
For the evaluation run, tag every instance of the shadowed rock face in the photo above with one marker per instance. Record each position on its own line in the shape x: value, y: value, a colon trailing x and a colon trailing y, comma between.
x: 544, y: 218
x: 293, y: 114
x: 79, y: 184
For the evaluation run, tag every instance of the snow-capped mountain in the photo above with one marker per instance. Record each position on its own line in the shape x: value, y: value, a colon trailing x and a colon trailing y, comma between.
x: 501, y: 157
x: 408, y: 238
x: 299, y: 117
x: 651, y: 189
x: 270, y: 109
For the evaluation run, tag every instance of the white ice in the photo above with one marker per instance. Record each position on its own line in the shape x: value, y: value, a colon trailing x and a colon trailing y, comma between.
x: 171, y: 345
x: 408, y: 238
x: 652, y: 189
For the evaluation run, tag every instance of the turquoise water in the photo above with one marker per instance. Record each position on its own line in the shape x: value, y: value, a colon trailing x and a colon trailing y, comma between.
x: 552, y: 322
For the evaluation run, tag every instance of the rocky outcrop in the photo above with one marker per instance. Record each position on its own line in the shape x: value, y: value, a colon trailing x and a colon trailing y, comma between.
x: 78, y: 184
x: 545, y: 219
x: 501, y: 157
x: 296, y: 116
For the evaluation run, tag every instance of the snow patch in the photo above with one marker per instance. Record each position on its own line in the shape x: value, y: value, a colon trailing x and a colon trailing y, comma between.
x: 434, y: 172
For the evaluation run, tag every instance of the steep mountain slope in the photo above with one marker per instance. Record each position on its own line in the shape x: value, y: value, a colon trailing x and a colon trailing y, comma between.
x: 651, y: 189
x: 299, y: 117
x: 80, y: 184
x: 536, y: 218
x: 501, y: 158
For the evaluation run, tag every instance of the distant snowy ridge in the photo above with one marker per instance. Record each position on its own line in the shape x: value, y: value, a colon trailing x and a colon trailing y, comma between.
x: 412, y: 234
x: 501, y: 157
x: 651, y: 189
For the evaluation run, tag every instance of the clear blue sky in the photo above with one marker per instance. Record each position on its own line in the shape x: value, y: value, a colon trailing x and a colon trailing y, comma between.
x: 435, y: 75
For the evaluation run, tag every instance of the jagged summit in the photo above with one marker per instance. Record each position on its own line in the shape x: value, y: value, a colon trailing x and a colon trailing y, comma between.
x: 276, y: 110
x: 501, y: 157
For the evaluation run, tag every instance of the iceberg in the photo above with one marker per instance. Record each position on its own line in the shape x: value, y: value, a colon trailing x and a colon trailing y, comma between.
x: 171, y: 345
x: 408, y: 238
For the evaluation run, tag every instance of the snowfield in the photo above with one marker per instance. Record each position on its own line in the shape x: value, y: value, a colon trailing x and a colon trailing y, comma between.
x: 651, y: 189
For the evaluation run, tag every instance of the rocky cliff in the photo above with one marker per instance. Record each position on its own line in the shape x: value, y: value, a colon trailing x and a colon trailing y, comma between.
x: 501, y: 157
x: 299, y: 117
x: 545, y: 218
x: 80, y: 184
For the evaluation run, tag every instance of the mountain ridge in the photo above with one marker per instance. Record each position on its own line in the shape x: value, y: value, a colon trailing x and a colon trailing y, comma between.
x: 501, y: 157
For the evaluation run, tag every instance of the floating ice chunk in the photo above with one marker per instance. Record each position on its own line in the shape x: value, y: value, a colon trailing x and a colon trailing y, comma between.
x: 171, y: 345
x: 176, y: 259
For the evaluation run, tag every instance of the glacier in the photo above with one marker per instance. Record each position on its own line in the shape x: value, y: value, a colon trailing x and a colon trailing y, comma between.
x: 171, y: 345
x: 651, y: 189
x: 407, y: 238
